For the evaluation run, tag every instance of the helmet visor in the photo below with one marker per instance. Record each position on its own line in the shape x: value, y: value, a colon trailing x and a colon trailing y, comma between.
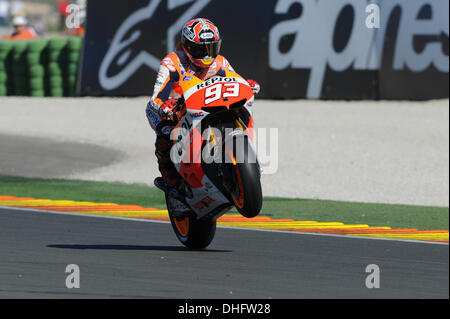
x: 202, y: 50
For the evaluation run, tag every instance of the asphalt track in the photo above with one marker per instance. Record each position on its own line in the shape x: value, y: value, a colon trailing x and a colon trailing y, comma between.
x: 131, y: 259
x: 42, y: 157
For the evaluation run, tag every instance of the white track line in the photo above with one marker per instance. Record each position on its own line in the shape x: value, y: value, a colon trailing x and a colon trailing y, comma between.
x: 224, y: 227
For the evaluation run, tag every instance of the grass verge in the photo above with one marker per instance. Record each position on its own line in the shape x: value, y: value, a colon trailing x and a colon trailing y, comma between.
x: 395, y: 216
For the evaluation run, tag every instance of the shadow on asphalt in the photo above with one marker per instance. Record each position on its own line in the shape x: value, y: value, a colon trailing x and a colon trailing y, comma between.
x: 134, y: 247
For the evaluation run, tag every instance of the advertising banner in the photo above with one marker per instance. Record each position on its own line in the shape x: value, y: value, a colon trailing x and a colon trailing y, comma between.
x: 328, y: 49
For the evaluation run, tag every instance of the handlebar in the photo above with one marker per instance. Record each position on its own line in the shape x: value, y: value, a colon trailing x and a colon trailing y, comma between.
x: 179, y: 105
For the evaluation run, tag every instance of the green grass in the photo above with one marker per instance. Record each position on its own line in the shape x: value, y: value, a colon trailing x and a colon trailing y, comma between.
x: 105, y: 192
x: 396, y: 216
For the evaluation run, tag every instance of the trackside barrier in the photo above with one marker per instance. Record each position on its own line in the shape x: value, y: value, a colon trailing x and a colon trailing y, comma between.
x: 40, y: 67
x: 314, y: 49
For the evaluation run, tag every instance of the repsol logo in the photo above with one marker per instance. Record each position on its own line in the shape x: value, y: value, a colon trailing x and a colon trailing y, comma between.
x: 333, y: 34
x: 213, y: 80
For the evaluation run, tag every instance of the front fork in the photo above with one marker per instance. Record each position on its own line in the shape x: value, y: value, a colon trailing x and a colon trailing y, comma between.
x: 225, y: 170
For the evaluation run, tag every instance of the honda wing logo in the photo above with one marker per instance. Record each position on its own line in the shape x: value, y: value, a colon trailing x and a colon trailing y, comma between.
x: 122, y: 45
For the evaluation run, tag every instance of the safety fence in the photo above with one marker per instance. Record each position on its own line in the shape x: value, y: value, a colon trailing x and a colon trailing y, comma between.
x: 40, y: 67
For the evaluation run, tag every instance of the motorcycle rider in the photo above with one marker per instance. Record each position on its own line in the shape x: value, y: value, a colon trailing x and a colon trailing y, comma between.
x: 197, y: 54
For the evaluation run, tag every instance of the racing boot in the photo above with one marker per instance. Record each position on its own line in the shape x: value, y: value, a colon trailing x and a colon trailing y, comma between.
x: 170, y: 182
x: 169, y: 174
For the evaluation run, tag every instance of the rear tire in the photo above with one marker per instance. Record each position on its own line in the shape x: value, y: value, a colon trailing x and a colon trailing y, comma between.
x: 191, y: 232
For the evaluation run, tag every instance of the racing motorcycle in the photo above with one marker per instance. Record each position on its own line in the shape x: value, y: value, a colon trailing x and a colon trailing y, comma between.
x: 213, y: 151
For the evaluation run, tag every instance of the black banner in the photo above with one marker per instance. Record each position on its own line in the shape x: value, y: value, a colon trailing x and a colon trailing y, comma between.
x: 329, y: 49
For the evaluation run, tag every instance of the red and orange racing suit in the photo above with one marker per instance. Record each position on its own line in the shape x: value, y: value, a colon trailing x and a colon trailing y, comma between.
x: 173, y: 68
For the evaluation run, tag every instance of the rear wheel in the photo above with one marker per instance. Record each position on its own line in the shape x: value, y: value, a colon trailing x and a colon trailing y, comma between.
x: 191, y: 232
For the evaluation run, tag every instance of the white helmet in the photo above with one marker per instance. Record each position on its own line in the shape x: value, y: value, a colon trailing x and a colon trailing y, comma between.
x: 19, y: 20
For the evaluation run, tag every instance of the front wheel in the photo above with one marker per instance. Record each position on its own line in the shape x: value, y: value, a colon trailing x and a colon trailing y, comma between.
x: 191, y: 232
x: 247, y: 193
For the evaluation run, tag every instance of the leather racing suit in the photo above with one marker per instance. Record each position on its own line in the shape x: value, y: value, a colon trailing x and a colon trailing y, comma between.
x: 172, y: 70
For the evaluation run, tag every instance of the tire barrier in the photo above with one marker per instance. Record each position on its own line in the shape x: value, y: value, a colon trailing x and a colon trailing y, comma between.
x: 40, y: 68
x: 6, y: 85
x: 19, y: 69
x: 73, y: 56
x: 36, y: 60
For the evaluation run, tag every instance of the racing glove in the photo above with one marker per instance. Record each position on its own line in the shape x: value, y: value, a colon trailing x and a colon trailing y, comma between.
x: 254, y: 85
x: 166, y: 110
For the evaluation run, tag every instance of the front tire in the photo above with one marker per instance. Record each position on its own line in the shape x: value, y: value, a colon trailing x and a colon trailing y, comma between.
x: 247, y: 194
x: 191, y: 232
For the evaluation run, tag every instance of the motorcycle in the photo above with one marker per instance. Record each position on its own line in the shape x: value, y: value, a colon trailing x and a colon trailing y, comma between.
x: 213, y: 151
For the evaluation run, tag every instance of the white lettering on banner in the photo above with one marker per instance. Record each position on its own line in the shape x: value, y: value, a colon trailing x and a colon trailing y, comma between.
x: 410, y: 27
x: 173, y: 4
x: 314, y: 32
x: 123, y: 46
x: 314, y: 49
